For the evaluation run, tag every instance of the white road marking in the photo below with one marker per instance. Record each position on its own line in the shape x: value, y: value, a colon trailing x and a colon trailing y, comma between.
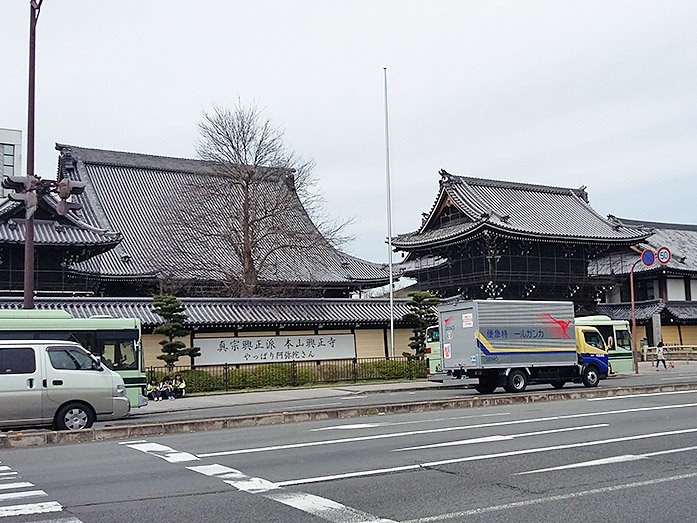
x: 34, y: 508
x: 19, y: 484
x: 376, y: 472
x: 132, y: 442
x: 413, y: 422
x: 351, y: 426
x: 609, y: 461
x: 439, y: 430
x: 25, y: 494
x: 495, y: 438
x: 61, y: 520
x: 4, y: 467
x: 163, y: 451
x: 644, y: 395
x: 560, y: 497
x: 309, y: 503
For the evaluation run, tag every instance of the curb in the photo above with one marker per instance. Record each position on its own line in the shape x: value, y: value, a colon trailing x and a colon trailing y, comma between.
x: 37, y: 439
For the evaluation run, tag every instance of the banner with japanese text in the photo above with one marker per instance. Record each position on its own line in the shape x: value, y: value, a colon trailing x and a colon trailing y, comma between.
x: 268, y: 349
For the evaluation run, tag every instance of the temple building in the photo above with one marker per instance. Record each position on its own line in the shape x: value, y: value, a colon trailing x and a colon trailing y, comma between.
x: 143, y: 229
x: 506, y: 240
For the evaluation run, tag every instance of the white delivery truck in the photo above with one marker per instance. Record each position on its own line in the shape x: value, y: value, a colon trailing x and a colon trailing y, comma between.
x: 58, y: 383
x: 511, y: 344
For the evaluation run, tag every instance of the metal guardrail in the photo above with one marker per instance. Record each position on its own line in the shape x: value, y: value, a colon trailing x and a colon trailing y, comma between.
x: 206, y: 378
x: 685, y: 353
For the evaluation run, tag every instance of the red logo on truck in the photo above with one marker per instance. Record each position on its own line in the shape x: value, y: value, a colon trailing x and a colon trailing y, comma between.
x: 557, y: 328
x: 447, y: 321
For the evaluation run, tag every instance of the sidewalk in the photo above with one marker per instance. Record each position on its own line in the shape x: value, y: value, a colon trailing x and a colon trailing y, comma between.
x: 647, y: 375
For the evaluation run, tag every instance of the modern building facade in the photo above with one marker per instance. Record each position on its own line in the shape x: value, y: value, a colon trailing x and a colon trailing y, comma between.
x: 10, y: 154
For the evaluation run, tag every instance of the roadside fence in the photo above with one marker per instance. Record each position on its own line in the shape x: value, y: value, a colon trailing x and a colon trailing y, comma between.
x: 685, y: 353
x: 207, y: 378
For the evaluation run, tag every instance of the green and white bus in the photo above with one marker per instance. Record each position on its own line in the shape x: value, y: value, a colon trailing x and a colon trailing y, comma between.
x: 433, y: 357
x: 618, y: 339
x: 116, y: 341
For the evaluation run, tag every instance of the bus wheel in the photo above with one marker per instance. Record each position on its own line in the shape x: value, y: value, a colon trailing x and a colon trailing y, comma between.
x: 517, y: 381
x: 74, y: 416
x: 485, y: 386
x: 591, y: 376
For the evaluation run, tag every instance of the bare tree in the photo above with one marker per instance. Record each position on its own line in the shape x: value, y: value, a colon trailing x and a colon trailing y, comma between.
x: 252, y: 213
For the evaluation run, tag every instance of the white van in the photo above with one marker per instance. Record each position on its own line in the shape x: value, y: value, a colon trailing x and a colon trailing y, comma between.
x: 56, y: 383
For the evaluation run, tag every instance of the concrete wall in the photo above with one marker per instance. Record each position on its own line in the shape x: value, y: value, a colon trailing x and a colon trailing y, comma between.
x: 370, y: 343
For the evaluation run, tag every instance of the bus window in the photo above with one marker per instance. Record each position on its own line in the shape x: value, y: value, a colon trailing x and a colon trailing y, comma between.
x: 624, y: 340
x: 119, y: 355
x: 432, y: 335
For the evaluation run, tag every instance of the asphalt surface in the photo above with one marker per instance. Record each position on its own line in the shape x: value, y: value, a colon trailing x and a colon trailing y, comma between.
x: 196, y: 407
x: 630, y: 459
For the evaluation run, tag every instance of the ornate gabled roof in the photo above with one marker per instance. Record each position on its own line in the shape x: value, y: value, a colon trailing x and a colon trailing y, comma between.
x: 514, y: 209
x: 51, y: 229
x: 680, y: 239
x: 682, y: 311
x: 235, y: 313
x: 136, y: 194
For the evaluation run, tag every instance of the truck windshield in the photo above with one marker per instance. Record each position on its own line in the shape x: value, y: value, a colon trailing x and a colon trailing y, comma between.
x: 594, y: 339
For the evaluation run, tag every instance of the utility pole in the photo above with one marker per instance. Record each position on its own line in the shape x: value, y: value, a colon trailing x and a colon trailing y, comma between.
x: 34, y: 9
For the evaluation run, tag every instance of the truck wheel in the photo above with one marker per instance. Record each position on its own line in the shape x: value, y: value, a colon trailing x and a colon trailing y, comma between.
x: 74, y: 416
x: 558, y: 384
x: 517, y: 381
x: 591, y: 376
x: 485, y: 386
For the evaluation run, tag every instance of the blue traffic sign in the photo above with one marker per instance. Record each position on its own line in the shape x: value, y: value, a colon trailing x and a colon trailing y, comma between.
x: 648, y: 257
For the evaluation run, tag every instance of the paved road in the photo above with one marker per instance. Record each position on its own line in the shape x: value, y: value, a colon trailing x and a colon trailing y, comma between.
x: 629, y: 459
x: 294, y: 400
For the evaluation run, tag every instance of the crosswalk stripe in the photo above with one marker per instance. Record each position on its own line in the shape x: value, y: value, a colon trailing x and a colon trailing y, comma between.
x: 25, y: 494
x: 19, y: 484
x: 32, y: 508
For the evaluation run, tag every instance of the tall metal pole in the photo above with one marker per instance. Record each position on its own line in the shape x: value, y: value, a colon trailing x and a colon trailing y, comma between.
x: 34, y: 7
x: 389, y: 214
x: 635, y: 349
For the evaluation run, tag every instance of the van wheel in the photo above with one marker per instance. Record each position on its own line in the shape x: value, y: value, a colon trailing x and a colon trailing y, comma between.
x: 591, y: 376
x: 517, y: 381
x: 74, y: 416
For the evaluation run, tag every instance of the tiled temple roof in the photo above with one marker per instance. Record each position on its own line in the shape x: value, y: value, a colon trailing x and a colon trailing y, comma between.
x: 515, y: 209
x: 50, y: 229
x: 682, y: 311
x: 236, y: 313
x: 681, y: 240
x: 135, y: 194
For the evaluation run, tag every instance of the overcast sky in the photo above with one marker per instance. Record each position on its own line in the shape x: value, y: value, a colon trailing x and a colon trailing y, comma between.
x: 596, y: 93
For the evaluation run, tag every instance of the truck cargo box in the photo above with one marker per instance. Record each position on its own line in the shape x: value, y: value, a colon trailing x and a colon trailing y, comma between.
x: 503, y: 334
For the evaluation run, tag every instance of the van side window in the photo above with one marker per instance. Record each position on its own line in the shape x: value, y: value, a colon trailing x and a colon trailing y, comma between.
x: 17, y: 361
x: 69, y: 358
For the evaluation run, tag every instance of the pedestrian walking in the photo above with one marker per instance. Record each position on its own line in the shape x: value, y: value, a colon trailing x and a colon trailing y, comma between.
x: 660, y: 356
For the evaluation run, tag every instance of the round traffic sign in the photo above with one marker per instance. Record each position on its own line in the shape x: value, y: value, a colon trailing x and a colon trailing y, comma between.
x: 648, y: 257
x: 663, y: 255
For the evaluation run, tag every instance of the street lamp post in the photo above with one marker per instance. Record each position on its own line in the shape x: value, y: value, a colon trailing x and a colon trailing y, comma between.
x: 34, y: 9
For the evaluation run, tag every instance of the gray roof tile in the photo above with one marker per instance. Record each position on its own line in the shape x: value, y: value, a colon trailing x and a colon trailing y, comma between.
x: 235, y: 312
x: 135, y: 194
x: 516, y: 209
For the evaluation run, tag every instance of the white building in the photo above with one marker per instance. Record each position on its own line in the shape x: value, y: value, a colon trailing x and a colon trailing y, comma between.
x: 10, y: 154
